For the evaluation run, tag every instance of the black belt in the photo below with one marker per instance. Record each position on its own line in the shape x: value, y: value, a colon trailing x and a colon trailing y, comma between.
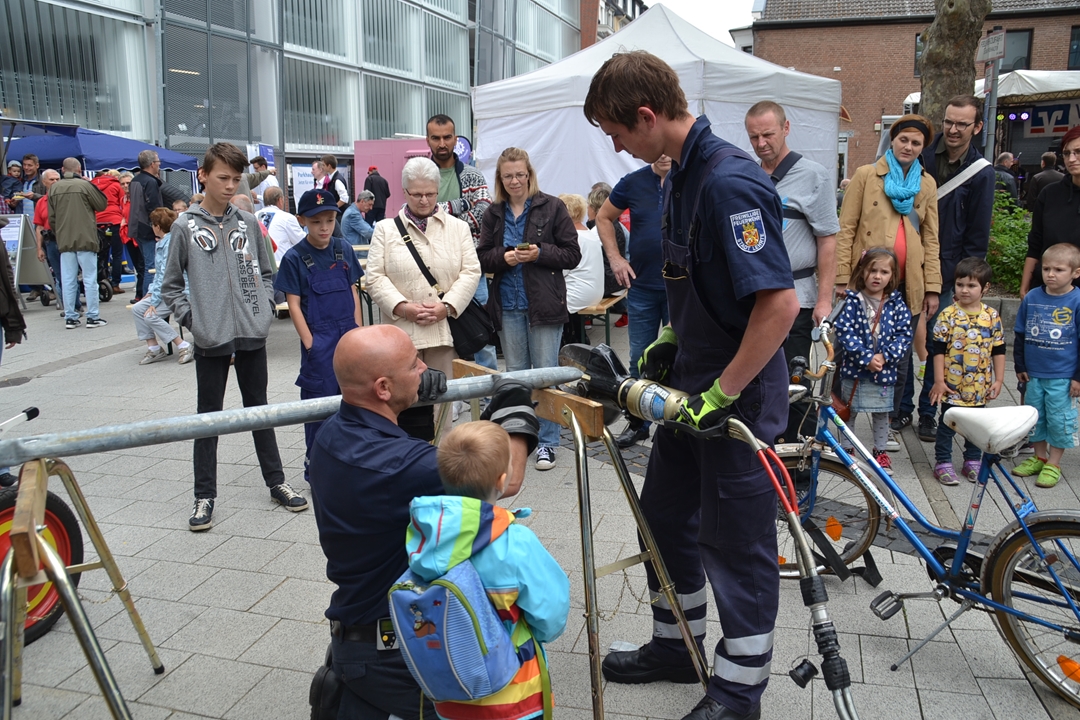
x: 804, y: 273
x: 353, y: 633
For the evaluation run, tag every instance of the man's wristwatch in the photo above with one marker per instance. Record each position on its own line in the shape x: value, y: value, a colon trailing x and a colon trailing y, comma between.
x: 449, y: 309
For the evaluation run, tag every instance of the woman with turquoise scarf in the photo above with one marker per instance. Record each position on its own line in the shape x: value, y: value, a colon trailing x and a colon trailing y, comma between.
x: 893, y: 204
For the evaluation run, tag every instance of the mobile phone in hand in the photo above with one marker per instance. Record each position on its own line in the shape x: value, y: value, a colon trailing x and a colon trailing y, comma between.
x: 523, y: 246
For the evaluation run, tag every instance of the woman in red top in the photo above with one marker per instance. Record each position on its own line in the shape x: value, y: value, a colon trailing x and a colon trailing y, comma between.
x: 108, y: 226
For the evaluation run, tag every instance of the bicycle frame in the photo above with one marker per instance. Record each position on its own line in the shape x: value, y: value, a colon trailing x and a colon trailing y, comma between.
x: 950, y: 577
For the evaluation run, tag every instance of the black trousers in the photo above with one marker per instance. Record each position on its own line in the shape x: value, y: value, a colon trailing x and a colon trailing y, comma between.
x: 110, y: 244
x: 798, y: 344
x: 212, y: 375
x: 377, y: 684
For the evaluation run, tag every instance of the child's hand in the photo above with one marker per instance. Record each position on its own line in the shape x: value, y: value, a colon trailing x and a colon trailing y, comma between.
x: 939, y: 391
x: 1074, y: 389
x: 876, y: 363
x: 1022, y: 377
x: 995, y: 390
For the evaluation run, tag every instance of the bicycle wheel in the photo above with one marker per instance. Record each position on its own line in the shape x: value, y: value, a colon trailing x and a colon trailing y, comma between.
x: 43, y: 606
x: 844, y: 512
x: 1017, y: 578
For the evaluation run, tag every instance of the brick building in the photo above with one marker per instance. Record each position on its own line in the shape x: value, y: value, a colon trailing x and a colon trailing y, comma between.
x: 871, y: 46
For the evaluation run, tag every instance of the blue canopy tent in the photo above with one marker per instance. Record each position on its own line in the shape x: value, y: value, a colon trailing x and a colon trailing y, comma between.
x: 97, y: 150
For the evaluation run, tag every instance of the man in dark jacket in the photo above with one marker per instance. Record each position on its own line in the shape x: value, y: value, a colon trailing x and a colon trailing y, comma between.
x: 1003, y: 173
x: 1040, y: 180
x: 965, y: 204
x: 73, y: 206
x: 376, y: 184
x: 11, y: 320
x: 145, y: 198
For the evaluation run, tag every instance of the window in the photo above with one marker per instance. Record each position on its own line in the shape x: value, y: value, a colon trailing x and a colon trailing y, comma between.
x: 918, y: 52
x: 1074, y: 49
x: 1017, y: 50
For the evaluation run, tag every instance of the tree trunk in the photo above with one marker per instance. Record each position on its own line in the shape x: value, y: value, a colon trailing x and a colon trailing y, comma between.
x: 947, y: 67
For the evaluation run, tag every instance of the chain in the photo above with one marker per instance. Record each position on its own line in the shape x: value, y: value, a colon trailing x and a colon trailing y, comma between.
x: 618, y: 603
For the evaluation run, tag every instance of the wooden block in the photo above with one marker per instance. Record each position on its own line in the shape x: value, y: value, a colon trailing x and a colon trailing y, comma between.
x: 29, y: 513
x: 602, y: 307
x: 550, y: 402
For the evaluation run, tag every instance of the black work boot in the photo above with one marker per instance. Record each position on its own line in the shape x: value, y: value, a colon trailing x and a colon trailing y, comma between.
x: 709, y: 709
x: 642, y: 666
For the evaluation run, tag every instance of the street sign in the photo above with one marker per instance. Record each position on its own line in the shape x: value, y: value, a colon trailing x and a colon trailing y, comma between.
x: 991, y: 47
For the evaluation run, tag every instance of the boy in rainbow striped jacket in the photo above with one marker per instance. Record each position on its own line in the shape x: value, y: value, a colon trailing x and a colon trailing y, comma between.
x: 529, y: 590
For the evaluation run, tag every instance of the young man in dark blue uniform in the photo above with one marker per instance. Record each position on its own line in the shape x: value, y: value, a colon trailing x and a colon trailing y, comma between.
x: 364, y: 472
x: 727, y: 275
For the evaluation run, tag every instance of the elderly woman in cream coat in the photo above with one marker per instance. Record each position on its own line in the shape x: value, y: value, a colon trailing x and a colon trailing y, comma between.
x: 397, y: 284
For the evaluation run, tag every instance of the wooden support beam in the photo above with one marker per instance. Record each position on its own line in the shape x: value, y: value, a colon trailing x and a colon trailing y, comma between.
x: 29, y: 513
x: 550, y: 402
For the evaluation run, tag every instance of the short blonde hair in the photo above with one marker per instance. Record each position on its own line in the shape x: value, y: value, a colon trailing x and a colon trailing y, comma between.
x: 575, y: 205
x: 1065, y: 252
x: 513, y: 154
x: 471, y: 457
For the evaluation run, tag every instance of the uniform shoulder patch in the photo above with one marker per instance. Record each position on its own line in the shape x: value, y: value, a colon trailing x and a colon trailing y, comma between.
x: 749, y: 230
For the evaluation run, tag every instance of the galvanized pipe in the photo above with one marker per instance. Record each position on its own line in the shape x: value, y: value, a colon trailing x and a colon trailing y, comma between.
x: 189, y: 427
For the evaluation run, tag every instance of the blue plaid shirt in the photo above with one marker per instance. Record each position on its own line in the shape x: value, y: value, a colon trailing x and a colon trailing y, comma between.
x: 512, y: 284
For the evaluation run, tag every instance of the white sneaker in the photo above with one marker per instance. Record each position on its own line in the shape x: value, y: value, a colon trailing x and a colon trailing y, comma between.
x: 893, y: 444
x: 153, y: 356
x: 187, y: 354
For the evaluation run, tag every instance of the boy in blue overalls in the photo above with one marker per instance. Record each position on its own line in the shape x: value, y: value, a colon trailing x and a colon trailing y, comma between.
x: 320, y: 277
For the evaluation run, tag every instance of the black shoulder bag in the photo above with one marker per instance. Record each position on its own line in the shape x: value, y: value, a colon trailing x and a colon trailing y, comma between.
x: 472, y: 329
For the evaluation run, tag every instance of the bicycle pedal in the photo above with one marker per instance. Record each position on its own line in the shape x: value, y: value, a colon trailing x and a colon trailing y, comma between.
x: 886, y: 604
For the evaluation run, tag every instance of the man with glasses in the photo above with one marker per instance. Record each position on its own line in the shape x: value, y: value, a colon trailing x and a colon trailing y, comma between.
x: 965, y: 183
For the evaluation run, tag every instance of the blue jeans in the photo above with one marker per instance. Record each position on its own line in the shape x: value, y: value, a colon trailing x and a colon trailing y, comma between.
x: 485, y: 356
x: 944, y: 442
x: 647, y: 312
x: 148, y: 247
x: 72, y: 262
x: 527, y: 347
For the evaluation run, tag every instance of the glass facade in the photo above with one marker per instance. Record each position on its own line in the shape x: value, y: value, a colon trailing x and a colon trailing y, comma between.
x: 62, y: 64
x: 306, y: 76
x: 518, y: 36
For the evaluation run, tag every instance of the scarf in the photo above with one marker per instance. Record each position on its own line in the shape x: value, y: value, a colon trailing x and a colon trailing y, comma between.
x: 899, y: 189
x: 418, y: 221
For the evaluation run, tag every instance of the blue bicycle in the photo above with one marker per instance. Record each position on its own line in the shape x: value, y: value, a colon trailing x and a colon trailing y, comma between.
x: 1029, y: 577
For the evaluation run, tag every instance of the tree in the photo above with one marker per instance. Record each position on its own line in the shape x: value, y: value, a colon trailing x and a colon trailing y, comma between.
x: 947, y: 66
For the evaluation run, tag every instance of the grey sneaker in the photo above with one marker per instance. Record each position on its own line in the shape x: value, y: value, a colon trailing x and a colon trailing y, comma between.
x: 153, y: 356
x: 202, y: 514
x: 187, y: 354
x: 285, y: 496
x: 893, y: 443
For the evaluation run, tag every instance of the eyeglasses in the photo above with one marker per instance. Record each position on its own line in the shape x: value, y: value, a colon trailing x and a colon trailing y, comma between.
x: 1070, y: 153
x: 961, y: 126
x: 520, y: 177
x: 426, y: 197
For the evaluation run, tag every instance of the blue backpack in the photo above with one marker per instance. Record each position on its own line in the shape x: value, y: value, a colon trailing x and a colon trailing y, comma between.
x: 452, y: 639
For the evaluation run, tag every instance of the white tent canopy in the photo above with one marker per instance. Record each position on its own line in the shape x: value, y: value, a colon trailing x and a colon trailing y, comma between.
x: 1024, y: 86
x: 541, y: 111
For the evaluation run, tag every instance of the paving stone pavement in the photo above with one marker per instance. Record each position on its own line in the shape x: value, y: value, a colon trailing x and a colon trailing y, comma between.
x: 237, y: 612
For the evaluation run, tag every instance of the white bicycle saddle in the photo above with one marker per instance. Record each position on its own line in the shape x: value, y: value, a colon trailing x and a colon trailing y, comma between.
x: 993, y: 429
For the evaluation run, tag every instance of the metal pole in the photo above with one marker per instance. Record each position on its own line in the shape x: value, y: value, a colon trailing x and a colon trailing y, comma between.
x: 991, y: 115
x: 592, y: 618
x: 7, y: 622
x: 120, y: 587
x: 189, y: 427
x: 667, y: 587
x: 56, y: 571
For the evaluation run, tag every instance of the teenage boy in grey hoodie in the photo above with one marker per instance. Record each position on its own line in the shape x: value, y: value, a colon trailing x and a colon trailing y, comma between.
x: 228, y: 312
